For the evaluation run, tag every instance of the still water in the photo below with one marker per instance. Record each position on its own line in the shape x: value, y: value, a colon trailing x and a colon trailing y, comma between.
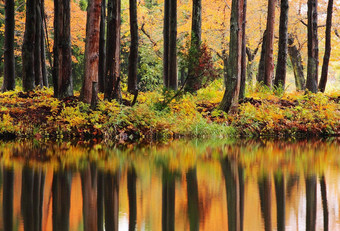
x: 181, y: 185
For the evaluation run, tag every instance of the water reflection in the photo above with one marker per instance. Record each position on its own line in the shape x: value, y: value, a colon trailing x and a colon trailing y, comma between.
x: 181, y: 186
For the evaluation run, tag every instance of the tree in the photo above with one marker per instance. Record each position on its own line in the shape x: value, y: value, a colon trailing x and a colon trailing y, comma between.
x: 91, y: 50
x: 62, y: 62
x: 280, y: 192
x: 268, y: 58
x: 173, y: 81
x: 261, y: 68
x: 313, y: 47
x: 112, y: 69
x: 102, y: 51
x: 196, y: 38
x: 37, y: 48
x: 9, y: 66
x: 328, y: 47
x: 296, y: 60
x: 28, y: 47
x: 166, y: 37
x: 231, y: 94
x: 244, y: 53
x: 281, y: 70
x: 133, y: 56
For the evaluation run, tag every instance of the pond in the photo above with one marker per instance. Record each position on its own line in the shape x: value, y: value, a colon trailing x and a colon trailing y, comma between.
x: 180, y: 185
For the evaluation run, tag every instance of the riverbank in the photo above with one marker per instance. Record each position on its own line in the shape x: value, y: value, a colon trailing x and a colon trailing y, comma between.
x: 262, y: 113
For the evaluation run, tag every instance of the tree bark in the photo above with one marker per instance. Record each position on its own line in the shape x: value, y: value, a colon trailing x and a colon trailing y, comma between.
x: 231, y: 94
x: 28, y: 47
x: 268, y: 58
x: 166, y: 38
x: 244, y: 53
x: 295, y: 57
x: 112, y: 72
x: 260, y: 72
x: 102, y: 51
x: 313, y: 47
x: 281, y: 67
x: 43, y: 45
x: 133, y: 56
x: 91, y: 49
x: 194, y: 83
x: 62, y: 62
x: 37, y: 49
x: 250, y: 65
x: 9, y: 62
x: 173, y: 80
x: 328, y: 47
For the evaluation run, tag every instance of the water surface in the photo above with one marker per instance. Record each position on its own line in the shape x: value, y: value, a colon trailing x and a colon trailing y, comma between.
x: 181, y: 185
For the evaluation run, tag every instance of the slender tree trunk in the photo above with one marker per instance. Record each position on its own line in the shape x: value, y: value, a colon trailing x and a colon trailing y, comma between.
x: 9, y: 65
x: 7, y: 199
x: 313, y: 47
x: 43, y: 45
x: 28, y: 47
x: 231, y: 94
x: 268, y: 58
x: 111, y: 194
x: 295, y: 57
x: 328, y: 47
x: 166, y: 38
x: 266, y: 200
x: 102, y: 51
x: 194, y: 83
x: 112, y: 73
x: 173, y: 80
x: 168, y: 201
x: 133, y: 56
x: 281, y: 67
x: 323, y: 189
x: 62, y: 67
x: 91, y: 49
x: 37, y: 48
x: 260, y: 72
x: 244, y: 52
x: 193, y: 200
x: 280, y: 201
x: 311, y: 203
x: 132, y: 194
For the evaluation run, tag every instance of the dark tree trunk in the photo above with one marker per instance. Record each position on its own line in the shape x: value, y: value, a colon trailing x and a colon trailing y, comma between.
x: 260, y: 72
x: 313, y: 47
x: 28, y: 47
x: 231, y: 94
x: 244, y: 53
x: 168, y: 201
x: 9, y: 62
x: 193, y: 201
x: 194, y: 83
x: 61, y: 194
x: 100, y: 201
x: 281, y: 67
x: 295, y: 57
x: 37, y: 49
x: 111, y: 194
x: 311, y: 203
x: 280, y: 201
x: 268, y: 58
x: 166, y: 38
x: 132, y: 194
x: 133, y: 56
x: 112, y: 72
x: 62, y: 66
x: 43, y: 45
x: 328, y: 47
x: 91, y: 49
x: 102, y: 51
x: 324, y: 202
x: 173, y: 81
x: 7, y: 199
x: 266, y: 200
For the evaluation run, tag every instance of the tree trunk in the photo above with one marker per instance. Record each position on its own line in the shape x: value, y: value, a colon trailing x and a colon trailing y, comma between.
x: 280, y: 193
x: 193, y: 82
x: 43, y: 45
x: 268, y: 58
x: 9, y: 62
x: 231, y: 94
x: 102, y: 51
x: 313, y: 47
x: 37, y: 48
x: 266, y: 200
x: 244, y: 53
x: 173, y: 81
x: 168, y: 200
x: 111, y: 195
x: 295, y: 57
x: 250, y: 65
x: 311, y: 198
x: 91, y: 49
x: 132, y: 195
x: 28, y: 47
x: 323, y: 189
x: 62, y: 67
x: 112, y: 72
x: 166, y: 38
x: 328, y: 47
x: 260, y: 72
x: 281, y: 67
x: 133, y: 56
x: 7, y: 198
x: 193, y: 200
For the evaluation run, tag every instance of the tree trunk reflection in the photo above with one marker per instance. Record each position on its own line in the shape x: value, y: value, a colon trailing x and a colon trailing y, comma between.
x: 193, y: 203
x: 168, y: 200
x: 131, y: 186
x: 311, y: 203
x: 265, y: 199
x: 111, y: 194
x: 279, y: 181
x: 7, y: 200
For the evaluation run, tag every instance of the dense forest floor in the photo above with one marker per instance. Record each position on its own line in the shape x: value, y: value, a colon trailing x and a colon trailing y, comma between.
x: 262, y: 113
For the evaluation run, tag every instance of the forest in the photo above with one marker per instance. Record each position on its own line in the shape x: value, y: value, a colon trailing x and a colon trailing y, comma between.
x: 150, y: 68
